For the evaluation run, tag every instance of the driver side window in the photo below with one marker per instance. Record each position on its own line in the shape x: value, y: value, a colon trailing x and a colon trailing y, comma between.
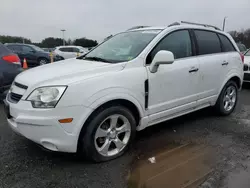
x: 178, y: 42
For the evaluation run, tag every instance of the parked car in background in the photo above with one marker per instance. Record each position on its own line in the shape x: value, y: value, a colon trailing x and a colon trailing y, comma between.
x: 34, y: 55
x: 247, y: 66
x: 70, y: 51
x: 10, y: 66
x: 242, y: 47
x: 48, y: 49
x: 94, y: 104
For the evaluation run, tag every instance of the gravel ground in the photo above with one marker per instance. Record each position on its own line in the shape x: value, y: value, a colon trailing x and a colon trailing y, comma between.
x: 24, y: 164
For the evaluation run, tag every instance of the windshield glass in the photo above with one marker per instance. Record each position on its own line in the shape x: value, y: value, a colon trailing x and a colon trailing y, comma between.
x: 123, y: 47
x: 37, y: 48
x: 247, y: 53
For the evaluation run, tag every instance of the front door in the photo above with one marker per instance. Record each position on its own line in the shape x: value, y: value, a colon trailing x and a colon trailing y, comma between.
x: 30, y: 55
x: 173, y: 88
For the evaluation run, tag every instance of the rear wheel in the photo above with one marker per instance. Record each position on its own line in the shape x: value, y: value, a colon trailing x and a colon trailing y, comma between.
x: 108, y: 134
x: 43, y: 61
x: 228, y: 98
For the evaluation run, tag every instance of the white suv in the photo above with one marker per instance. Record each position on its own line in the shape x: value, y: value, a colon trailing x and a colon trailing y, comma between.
x: 94, y: 104
x: 70, y: 51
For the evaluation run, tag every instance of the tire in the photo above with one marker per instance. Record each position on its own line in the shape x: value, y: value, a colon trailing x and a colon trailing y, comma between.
x: 95, y: 147
x: 43, y: 61
x: 220, y: 105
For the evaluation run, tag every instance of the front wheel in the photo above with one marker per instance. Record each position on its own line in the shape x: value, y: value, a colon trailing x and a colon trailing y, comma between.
x: 108, y: 134
x: 228, y: 98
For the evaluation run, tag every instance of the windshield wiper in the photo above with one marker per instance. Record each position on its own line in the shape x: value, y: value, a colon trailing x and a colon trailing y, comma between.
x: 97, y: 59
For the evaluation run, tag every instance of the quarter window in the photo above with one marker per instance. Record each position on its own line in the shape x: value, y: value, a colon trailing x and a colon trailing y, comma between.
x: 208, y: 42
x: 227, y: 46
x: 178, y: 42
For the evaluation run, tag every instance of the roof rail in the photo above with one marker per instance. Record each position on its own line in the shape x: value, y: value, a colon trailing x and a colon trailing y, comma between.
x: 205, y: 25
x: 173, y: 24
x: 137, y: 27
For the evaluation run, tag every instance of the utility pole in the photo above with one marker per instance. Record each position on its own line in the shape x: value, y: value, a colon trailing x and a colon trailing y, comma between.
x: 224, y: 23
x: 63, y: 30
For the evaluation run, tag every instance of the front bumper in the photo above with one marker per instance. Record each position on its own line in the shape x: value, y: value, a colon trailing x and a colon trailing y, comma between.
x: 42, y: 126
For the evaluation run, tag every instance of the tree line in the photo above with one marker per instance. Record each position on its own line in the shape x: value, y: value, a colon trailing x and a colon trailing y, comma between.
x: 242, y: 36
x: 50, y: 42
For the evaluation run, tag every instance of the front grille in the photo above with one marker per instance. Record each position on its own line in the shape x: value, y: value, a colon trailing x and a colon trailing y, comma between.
x: 245, y: 68
x: 14, y: 97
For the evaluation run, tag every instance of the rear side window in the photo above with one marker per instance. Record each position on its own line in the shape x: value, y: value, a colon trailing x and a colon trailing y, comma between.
x: 178, y: 42
x: 66, y: 49
x: 15, y: 48
x: 227, y: 46
x: 76, y: 50
x: 208, y: 42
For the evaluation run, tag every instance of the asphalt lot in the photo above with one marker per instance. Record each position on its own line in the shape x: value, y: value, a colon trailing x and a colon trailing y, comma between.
x: 24, y: 164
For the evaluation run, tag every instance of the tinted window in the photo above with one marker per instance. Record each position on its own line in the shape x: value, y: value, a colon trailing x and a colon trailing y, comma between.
x: 26, y: 49
x: 179, y: 43
x: 227, y: 46
x: 66, y: 49
x: 15, y: 48
x: 76, y: 50
x: 208, y: 42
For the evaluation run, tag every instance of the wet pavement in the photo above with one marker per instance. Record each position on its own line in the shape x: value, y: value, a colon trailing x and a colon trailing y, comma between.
x: 184, y: 166
x: 196, y: 150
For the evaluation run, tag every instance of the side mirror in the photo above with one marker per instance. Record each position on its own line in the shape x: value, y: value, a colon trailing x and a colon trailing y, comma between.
x: 33, y: 51
x: 162, y: 57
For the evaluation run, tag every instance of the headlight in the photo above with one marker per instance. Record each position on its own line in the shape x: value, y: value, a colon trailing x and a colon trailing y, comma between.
x: 46, y: 97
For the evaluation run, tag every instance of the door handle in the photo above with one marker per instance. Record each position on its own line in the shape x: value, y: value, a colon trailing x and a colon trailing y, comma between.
x: 193, y: 70
x: 225, y: 63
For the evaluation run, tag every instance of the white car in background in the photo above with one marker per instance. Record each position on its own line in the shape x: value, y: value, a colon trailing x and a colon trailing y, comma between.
x: 70, y: 51
x: 247, y: 66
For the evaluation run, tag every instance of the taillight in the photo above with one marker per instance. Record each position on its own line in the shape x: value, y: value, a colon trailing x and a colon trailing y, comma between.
x: 242, y: 57
x: 12, y: 59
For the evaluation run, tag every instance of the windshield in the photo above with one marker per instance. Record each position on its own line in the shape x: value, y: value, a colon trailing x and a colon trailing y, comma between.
x: 247, y: 53
x: 122, y: 47
x: 37, y: 48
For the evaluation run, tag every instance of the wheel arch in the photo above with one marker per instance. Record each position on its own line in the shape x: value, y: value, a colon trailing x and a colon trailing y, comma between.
x: 131, y: 105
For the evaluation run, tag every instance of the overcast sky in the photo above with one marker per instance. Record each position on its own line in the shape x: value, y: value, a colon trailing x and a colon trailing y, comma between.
x: 96, y: 19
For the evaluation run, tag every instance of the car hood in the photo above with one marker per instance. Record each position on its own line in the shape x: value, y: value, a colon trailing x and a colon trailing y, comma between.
x: 65, y: 72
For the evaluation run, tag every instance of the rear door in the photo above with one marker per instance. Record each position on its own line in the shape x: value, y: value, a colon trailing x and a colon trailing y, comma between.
x: 211, y: 61
x: 232, y: 54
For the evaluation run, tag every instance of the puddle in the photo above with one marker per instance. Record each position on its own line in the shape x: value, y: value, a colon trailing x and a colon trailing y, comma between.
x: 177, y: 166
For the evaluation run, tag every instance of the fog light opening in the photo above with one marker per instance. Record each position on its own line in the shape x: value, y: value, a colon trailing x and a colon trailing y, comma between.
x: 49, y: 146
